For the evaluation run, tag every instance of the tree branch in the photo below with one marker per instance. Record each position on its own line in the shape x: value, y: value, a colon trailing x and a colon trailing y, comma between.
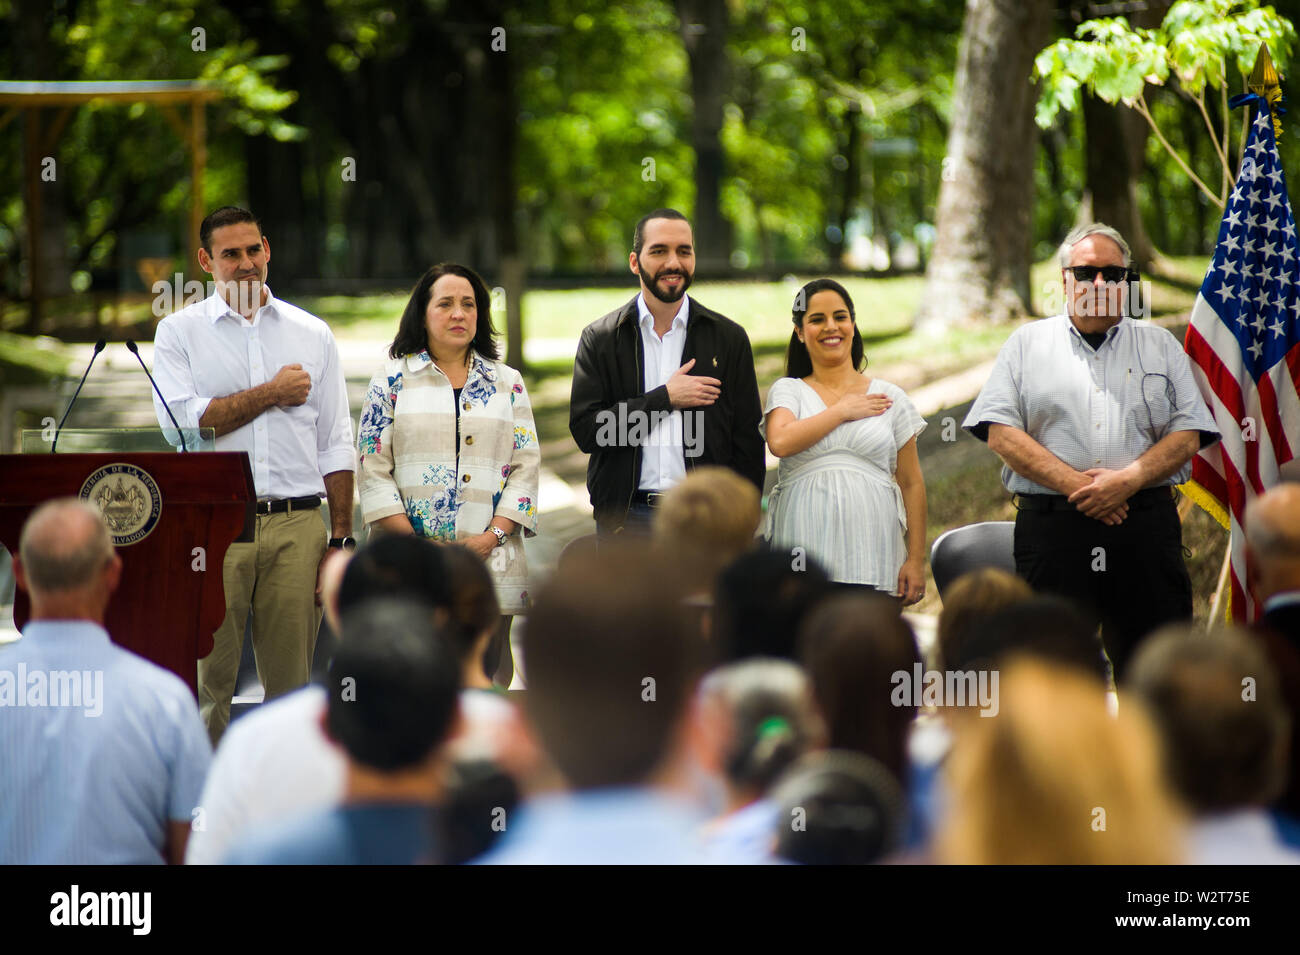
x: 1141, y: 107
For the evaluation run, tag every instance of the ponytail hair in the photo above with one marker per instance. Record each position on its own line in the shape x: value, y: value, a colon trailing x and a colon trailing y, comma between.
x: 797, y: 362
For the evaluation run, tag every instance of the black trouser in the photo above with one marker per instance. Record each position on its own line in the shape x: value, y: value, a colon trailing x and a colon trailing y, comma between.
x: 1132, y: 574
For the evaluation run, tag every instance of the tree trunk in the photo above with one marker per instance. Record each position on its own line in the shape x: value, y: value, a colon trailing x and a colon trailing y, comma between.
x: 704, y: 34
x: 979, y: 270
x: 1113, y: 160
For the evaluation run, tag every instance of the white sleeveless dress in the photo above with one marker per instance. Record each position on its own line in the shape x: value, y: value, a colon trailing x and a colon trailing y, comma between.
x: 838, y: 499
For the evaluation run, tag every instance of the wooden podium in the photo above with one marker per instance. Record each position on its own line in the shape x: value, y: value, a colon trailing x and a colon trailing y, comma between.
x: 161, y: 508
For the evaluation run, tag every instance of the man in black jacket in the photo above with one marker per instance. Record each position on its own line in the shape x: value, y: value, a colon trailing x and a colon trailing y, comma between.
x: 662, y: 385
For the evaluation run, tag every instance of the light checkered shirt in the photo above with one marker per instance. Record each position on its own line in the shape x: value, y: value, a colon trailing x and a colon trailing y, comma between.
x: 1092, y: 409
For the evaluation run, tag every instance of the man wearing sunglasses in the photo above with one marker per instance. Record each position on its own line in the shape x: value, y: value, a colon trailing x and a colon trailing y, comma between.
x: 1096, y: 416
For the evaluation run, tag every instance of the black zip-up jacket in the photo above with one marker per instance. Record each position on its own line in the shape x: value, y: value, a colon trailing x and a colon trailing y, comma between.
x: 608, y: 392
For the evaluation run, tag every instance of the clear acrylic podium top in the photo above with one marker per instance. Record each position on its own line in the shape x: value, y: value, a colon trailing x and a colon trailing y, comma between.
x: 102, y: 440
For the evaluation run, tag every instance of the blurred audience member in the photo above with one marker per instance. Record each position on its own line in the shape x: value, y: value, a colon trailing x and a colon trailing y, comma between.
x: 1216, y: 700
x: 852, y: 645
x: 1273, y: 571
x: 613, y: 666
x: 1047, y: 628
x: 708, y: 520
x: 761, y: 600
x: 765, y: 720
x: 479, y: 798
x: 276, y: 760
x: 837, y: 808
x: 105, y: 767
x: 969, y: 599
x: 1273, y: 565
x: 392, y: 707
x: 1054, y: 779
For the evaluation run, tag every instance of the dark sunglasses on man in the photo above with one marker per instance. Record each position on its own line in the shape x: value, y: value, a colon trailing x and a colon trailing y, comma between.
x: 1109, y: 273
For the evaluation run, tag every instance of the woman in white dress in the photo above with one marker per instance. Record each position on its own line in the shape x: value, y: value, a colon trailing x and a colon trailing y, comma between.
x: 849, y: 489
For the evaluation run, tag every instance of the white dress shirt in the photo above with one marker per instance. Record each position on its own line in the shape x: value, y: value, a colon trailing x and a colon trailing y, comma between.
x: 207, y: 350
x: 663, y: 458
x: 1092, y: 408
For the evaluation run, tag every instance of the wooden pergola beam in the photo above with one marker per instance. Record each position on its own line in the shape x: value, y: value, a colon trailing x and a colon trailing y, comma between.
x: 29, y: 98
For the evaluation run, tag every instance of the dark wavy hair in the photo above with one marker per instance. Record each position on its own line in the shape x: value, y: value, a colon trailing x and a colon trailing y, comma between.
x: 797, y: 362
x: 412, y: 334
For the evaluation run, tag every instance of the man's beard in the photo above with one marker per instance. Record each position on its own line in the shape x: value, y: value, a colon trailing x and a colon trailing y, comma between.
x: 657, y: 292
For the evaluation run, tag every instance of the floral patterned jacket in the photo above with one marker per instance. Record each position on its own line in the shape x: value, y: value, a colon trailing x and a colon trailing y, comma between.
x: 409, y: 462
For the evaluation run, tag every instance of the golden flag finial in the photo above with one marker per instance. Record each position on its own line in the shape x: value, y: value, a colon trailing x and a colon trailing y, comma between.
x: 1264, y: 81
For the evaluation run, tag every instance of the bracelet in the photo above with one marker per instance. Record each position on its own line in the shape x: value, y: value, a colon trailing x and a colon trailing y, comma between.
x: 498, y: 533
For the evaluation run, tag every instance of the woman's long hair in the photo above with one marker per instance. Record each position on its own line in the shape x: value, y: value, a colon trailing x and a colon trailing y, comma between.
x: 797, y: 362
x: 412, y: 333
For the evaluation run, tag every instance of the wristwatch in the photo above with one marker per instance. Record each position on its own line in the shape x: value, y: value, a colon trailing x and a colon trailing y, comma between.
x: 500, y: 534
x: 347, y: 543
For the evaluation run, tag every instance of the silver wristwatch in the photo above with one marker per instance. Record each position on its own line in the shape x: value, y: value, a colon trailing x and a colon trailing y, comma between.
x: 500, y: 534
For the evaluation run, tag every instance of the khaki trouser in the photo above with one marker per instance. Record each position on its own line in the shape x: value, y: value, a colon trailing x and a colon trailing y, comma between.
x: 275, y: 577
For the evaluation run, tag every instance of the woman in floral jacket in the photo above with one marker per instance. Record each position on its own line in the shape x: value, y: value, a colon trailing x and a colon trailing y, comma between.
x: 447, y: 442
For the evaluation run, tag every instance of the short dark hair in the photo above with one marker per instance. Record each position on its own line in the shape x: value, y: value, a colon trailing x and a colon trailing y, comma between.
x: 759, y: 602
x: 1223, y: 751
x: 393, y: 685
x: 797, y: 362
x: 1045, y: 627
x: 851, y: 646
x: 852, y: 810
x: 473, y: 596
x: 412, y: 333
x: 638, y: 234
x: 396, y: 565
x: 226, y: 215
x: 597, y: 632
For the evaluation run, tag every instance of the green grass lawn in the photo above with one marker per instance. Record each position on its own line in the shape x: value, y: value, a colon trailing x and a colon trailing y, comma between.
x: 884, y: 306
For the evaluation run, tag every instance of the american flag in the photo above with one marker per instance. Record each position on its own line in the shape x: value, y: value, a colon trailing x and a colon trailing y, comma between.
x: 1242, y: 342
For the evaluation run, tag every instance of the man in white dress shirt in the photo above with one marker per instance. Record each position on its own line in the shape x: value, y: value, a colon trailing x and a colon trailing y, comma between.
x: 1096, y: 417
x: 266, y: 377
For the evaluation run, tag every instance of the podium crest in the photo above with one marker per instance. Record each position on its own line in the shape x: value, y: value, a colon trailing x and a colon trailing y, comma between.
x: 129, y: 499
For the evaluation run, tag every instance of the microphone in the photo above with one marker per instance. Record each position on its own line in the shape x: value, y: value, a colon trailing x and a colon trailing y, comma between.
x: 99, y: 347
x: 131, y: 347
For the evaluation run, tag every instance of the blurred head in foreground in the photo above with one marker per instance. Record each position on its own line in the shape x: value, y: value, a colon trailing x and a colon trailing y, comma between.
x: 613, y: 662
x: 393, y: 688
x: 760, y: 601
x: 838, y: 808
x: 709, y: 519
x: 1216, y: 701
x: 1048, y: 628
x: 1054, y: 779
x: 852, y: 645
x: 970, y: 599
x: 766, y: 720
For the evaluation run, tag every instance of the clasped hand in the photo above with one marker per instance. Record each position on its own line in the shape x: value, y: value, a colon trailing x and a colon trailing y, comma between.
x: 1105, y: 497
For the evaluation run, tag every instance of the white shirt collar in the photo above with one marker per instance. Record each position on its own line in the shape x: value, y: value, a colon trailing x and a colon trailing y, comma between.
x: 216, y: 307
x: 644, y: 316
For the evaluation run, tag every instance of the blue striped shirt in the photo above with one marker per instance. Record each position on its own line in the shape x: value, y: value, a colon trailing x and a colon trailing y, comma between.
x: 99, y: 749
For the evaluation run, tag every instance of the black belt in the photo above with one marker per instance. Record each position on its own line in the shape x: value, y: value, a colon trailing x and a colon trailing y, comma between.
x: 1148, y: 497
x: 649, y: 498
x: 285, y: 504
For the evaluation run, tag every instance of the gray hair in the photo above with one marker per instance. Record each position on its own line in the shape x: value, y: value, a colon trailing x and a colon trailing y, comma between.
x: 63, y: 545
x: 1079, y: 233
x: 773, y: 721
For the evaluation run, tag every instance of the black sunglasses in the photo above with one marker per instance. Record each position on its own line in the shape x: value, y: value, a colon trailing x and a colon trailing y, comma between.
x: 1109, y: 273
